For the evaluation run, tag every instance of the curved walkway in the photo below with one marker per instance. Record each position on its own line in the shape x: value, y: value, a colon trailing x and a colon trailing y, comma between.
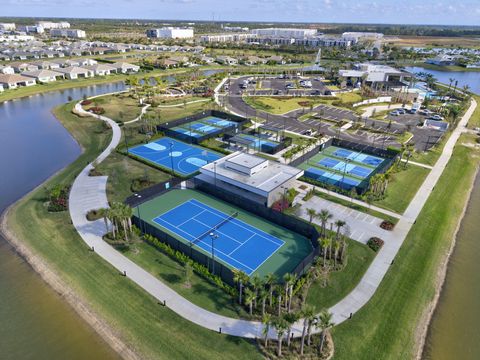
x: 182, y: 104
x: 89, y: 193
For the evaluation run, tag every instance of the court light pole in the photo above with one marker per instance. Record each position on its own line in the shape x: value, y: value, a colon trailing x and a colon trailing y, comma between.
x: 171, y: 157
x: 213, y: 236
x: 215, y: 173
x: 138, y: 196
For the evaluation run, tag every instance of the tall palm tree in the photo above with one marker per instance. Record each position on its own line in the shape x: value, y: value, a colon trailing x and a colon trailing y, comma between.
x: 281, y: 327
x: 324, y: 323
x: 270, y: 280
x: 267, y: 323
x: 290, y: 318
x: 262, y: 295
x: 289, y: 281
x: 256, y: 283
x: 336, y: 248
x: 240, y: 278
x: 312, y: 213
x: 324, y: 215
x: 278, y: 292
x: 249, y: 299
x: 103, y: 212
x: 308, y: 314
x: 325, y: 244
x: 339, y: 224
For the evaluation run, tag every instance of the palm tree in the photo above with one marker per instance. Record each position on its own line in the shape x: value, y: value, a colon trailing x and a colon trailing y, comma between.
x: 324, y: 215
x: 308, y: 313
x: 103, y: 212
x: 267, y: 323
x: 336, y: 248
x: 278, y: 292
x: 339, y: 224
x: 324, y: 323
x: 312, y: 213
x: 262, y: 295
x: 290, y: 280
x: 249, y: 299
x: 290, y: 318
x: 240, y: 278
x: 281, y: 327
x: 325, y: 244
x: 256, y: 283
x: 270, y: 280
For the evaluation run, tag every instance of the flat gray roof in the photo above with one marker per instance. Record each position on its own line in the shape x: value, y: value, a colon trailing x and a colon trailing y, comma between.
x: 246, y: 160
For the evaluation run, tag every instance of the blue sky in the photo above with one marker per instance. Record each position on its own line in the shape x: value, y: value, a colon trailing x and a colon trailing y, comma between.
x: 360, y: 11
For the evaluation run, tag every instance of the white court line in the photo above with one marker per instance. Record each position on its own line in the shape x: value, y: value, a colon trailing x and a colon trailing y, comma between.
x: 241, y: 244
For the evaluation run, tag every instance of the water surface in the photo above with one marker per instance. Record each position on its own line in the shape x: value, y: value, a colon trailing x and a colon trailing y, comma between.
x: 35, y: 323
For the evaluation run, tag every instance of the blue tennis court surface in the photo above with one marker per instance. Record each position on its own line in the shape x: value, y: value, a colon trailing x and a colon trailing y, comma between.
x: 329, y: 177
x: 205, y: 126
x: 358, y: 157
x: 187, y: 159
x: 239, y: 244
x: 259, y: 142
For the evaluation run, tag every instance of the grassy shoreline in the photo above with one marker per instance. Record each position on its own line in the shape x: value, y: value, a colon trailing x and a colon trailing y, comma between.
x: 151, y: 331
x: 407, y: 292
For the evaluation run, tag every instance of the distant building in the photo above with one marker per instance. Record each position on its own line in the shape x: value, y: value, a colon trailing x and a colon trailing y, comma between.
x: 7, y: 26
x: 31, y: 29
x: 126, y: 68
x: 170, y: 33
x: 285, y: 32
x: 224, y: 38
x: 442, y: 60
x: 375, y: 74
x: 44, y: 76
x: 48, y: 25
x: 68, y: 33
x: 226, y: 60
x: 12, y: 81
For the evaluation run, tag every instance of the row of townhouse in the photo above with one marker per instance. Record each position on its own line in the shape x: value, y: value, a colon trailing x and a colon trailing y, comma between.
x: 12, y: 77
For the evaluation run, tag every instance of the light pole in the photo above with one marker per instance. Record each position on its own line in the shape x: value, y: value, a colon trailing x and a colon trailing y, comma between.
x: 215, y: 173
x: 345, y: 169
x: 171, y: 157
x: 138, y: 196
x: 213, y: 236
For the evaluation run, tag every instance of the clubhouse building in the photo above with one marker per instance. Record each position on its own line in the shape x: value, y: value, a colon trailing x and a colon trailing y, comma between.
x: 252, y: 177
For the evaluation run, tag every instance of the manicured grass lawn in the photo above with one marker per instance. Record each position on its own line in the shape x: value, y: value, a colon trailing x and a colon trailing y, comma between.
x: 386, y: 327
x: 431, y: 156
x: 153, y: 330
x: 402, y: 187
x: 168, y: 114
x: 354, y: 206
x: 280, y: 105
x: 122, y: 171
x: 475, y: 119
x: 349, y: 97
x: 340, y: 283
x: 119, y: 107
x: 201, y: 292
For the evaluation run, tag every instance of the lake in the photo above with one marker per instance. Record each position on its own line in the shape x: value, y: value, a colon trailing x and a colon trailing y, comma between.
x: 36, y: 323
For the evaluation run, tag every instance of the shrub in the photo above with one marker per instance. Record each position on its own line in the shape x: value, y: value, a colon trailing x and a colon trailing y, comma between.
x: 375, y: 243
x: 280, y: 205
x: 200, y: 269
x: 58, y: 196
x: 97, y: 110
x: 86, y: 102
x: 387, y: 225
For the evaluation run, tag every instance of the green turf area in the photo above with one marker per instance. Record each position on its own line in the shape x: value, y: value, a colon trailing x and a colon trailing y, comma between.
x: 281, y: 105
x: 200, y: 292
x: 475, y: 119
x: 126, y: 176
x: 177, y: 112
x: 402, y: 187
x: 331, y: 197
x: 152, y: 330
x: 295, y: 249
x: 118, y: 107
x: 341, y: 283
x: 385, y: 328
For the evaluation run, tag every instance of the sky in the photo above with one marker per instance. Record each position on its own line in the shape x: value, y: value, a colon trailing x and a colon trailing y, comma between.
x: 462, y: 12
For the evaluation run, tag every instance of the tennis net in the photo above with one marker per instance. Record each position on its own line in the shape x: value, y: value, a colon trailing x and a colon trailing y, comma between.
x: 227, y: 219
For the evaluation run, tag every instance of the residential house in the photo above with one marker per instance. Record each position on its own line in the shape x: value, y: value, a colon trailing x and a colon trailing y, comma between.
x: 21, y: 67
x: 72, y: 62
x: 277, y: 59
x: 75, y: 72
x: 12, y: 81
x: 6, y: 69
x: 101, y: 69
x: 442, y: 60
x: 206, y: 59
x: 169, y: 63
x: 44, y: 76
x: 226, y: 60
x: 181, y: 60
x: 125, y: 68
x: 254, y: 60
x: 46, y: 65
x: 1, y: 87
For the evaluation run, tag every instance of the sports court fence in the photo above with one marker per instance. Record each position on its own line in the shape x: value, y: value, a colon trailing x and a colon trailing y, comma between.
x: 289, y: 222
x: 167, y: 128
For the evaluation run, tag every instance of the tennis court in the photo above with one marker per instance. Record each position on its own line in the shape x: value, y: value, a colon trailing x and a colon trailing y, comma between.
x: 259, y: 142
x: 245, y: 241
x: 341, y: 167
x: 235, y: 242
x: 166, y: 152
x: 205, y: 126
